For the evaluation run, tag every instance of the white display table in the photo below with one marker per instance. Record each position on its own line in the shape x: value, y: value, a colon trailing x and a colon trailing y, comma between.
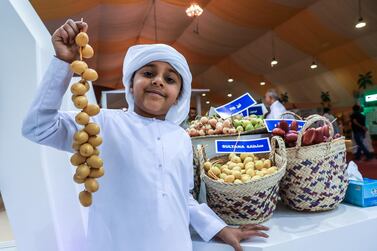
x: 347, y: 228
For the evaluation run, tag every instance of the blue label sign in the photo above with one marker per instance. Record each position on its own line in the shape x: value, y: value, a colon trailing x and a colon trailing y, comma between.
x: 256, y: 110
x: 245, y: 113
x: 261, y: 145
x: 236, y: 106
x: 273, y: 123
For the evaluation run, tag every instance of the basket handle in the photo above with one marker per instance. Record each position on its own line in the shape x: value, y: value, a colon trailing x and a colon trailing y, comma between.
x: 280, y: 142
x: 311, y: 120
x: 311, y: 116
x: 291, y: 113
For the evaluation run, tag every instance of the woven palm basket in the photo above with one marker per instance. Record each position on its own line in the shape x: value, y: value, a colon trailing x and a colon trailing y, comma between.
x: 251, y: 202
x: 315, y: 179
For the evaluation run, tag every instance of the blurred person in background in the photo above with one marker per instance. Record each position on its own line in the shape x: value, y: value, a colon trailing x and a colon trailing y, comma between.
x: 276, y: 108
x: 359, y: 130
x: 190, y: 117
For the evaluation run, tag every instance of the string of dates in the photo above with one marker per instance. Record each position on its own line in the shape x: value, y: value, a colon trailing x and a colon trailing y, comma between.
x: 85, y: 141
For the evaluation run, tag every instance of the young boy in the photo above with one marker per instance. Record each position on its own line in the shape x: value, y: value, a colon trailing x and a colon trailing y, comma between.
x: 144, y: 202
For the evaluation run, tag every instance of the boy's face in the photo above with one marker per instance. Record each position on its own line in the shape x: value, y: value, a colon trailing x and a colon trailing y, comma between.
x: 156, y: 87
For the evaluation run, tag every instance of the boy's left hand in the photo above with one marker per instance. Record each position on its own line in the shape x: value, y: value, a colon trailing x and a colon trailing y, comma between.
x: 233, y: 236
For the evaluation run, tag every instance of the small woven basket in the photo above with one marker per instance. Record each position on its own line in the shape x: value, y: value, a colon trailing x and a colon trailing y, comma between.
x: 315, y: 179
x: 251, y: 202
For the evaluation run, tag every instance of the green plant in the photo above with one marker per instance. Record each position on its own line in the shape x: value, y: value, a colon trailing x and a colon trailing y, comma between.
x: 365, y: 80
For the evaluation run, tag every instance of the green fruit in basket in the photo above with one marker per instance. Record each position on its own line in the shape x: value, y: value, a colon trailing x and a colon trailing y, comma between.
x: 247, y: 160
x: 207, y: 165
x: 236, y: 174
x: 240, y: 129
x: 215, y: 170
x: 236, y: 159
x: 237, y: 181
x: 245, y: 123
x: 249, y: 127
x: 223, y: 176
x: 254, y: 121
x: 225, y: 166
x: 260, y: 173
x: 249, y: 165
x: 232, y: 155
x: 236, y: 168
x: 250, y: 172
x: 229, y: 179
x: 243, y: 156
x: 245, y: 178
x: 232, y: 165
x: 238, y: 117
x: 259, y: 164
x: 237, y: 123
x: 267, y: 163
x: 227, y: 171
x: 241, y: 165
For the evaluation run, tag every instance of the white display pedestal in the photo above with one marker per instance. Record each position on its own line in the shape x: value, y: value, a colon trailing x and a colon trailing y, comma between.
x: 347, y: 228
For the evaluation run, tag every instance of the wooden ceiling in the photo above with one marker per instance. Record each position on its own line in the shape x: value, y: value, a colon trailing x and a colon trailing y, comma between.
x: 235, y: 40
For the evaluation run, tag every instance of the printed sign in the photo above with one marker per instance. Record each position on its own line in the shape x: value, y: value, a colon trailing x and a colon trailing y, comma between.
x: 261, y: 145
x: 256, y: 110
x: 236, y: 106
x: 273, y: 123
x: 245, y: 113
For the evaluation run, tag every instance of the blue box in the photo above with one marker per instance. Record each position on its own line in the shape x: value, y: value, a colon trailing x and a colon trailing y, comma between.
x: 362, y: 193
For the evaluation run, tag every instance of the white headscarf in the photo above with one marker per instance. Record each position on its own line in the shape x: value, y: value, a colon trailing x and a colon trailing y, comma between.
x: 139, y: 55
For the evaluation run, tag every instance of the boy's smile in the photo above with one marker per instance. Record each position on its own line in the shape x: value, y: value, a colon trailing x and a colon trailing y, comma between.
x: 155, y: 87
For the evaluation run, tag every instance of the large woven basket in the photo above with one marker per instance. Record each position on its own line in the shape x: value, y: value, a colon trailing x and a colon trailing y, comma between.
x: 251, y: 202
x: 315, y: 179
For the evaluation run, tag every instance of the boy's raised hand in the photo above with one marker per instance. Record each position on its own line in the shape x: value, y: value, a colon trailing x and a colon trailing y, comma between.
x: 63, y: 40
x: 233, y: 236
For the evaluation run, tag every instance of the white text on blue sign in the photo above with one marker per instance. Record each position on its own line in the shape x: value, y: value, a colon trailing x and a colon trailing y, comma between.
x: 261, y: 145
x: 236, y: 106
x: 271, y: 124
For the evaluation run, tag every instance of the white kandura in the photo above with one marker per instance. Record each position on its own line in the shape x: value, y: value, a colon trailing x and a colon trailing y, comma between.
x: 143, y: 202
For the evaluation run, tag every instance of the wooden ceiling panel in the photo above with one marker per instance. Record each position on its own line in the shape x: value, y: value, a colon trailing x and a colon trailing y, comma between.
x: 235, y: 40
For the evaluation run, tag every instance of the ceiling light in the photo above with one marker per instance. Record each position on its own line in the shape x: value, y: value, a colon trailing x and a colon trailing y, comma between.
x: 203, y: 94
x: 262, y: 83
x: 313, y: 65
x: 194, y: 10
x: 207, y: 102
x: 360, y: 23
x: 274, y: 62
x: 230, y: 80
x: 229, y: 95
